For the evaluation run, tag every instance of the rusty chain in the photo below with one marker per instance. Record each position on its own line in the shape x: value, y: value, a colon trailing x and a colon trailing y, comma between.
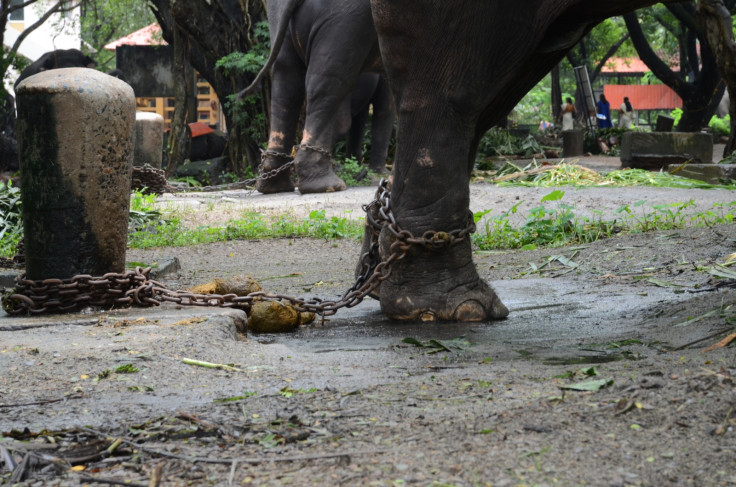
x: 155, y: 179
x: 134, y: 287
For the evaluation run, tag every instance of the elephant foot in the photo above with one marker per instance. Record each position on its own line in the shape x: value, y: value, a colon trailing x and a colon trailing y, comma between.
x: 475, y: 301
x: 272, y: 178
x: 439, y: 286
x: 315, y: 173
x: 379, y: 169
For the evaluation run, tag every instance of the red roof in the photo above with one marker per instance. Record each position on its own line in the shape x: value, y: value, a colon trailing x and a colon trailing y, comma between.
x: 625, y: 65
x: 643, y: 97
x: 633, y: 65
x: 147, y: 36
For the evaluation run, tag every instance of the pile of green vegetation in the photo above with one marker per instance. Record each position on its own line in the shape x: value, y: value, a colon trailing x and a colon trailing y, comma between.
x: 501, y: 142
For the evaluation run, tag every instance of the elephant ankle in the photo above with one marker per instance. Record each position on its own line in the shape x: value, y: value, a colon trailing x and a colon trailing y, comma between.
x: 275, y: 173
x: 315, y: 173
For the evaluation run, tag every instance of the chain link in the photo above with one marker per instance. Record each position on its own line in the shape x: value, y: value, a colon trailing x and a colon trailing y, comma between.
x: 134, y: 287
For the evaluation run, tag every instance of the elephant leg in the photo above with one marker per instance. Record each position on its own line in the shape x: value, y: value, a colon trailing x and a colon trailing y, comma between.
x: 382, y: 125
x: 360, y: 105
x: 325, y: 102
x: 354, y: 145
x: 287, y: 96
x: 334, y: 67
x: 430, y: 179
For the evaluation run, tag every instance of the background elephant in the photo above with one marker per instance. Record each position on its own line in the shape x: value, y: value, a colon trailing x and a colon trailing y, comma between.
x: 371, y: 90
x: 456, y: 69
x: 60, y: 58
x: 319, y: 48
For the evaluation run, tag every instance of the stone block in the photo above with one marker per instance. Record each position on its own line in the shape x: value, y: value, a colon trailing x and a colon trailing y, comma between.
x: 655, y: 150
x: 710, y: 173
x: 206, y: 172
x: 148, y: 141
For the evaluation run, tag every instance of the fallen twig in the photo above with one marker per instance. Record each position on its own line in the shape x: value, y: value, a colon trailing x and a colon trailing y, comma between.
x: 210, y: 365
x: 38, y: 403
x: 103, y: 480
x: 228, y: 461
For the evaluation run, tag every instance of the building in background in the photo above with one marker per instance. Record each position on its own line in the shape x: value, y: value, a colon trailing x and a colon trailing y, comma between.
x: 148, y: 43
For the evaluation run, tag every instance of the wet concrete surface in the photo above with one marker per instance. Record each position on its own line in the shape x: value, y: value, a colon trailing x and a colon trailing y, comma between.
x: 551, y: 321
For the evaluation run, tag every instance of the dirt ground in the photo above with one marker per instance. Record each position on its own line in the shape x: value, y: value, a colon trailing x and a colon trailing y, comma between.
x: 354, y: 399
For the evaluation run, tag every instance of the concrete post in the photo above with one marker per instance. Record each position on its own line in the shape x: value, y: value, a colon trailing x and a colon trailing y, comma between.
x: 75, y: 145
x: 572, y: 143
x: 149, y: 139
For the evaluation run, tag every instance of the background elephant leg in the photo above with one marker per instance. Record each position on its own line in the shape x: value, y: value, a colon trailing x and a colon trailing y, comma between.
x: 327, y: 88
x: 354, y: 142
x: 287, y: 97
x: 382, y: 125
x: 360, y: 106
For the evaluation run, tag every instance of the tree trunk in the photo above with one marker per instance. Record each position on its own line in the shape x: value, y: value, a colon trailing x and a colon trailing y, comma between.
x: 179, y: 143
x: 716, y: 21
x: 555, y: 92
x: 214, y: 30
x: 700, y: 98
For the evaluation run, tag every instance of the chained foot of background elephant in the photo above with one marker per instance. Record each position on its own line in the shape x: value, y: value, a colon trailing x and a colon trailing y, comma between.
x: 319, y: 49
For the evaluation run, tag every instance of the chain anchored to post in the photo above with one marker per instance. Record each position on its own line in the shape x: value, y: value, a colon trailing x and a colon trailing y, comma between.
x: 135, y: 288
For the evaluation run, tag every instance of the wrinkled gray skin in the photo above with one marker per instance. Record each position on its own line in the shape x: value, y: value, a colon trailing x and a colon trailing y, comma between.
x: 325, y: 46
x: 60, y: 58
x: 456, y: 69
x: 371, y: 90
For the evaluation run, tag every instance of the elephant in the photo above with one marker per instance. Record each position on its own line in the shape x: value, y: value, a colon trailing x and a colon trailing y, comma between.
x: 371, y: 90
x: 60, y: 58
x: 455, y: 70
x: 319, y: 48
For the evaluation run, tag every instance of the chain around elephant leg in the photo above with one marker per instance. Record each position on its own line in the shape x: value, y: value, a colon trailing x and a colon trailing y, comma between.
x: 274, y: 173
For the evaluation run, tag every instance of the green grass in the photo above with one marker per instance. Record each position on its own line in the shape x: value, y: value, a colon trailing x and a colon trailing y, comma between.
x: 252, y: 226
x: 558, y: 226
x: 551, y: 223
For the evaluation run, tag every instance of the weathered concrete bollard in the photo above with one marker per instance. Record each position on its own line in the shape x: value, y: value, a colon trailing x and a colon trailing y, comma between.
x: 75, y: 144
x: 572, y: 143
x: 149, y: 139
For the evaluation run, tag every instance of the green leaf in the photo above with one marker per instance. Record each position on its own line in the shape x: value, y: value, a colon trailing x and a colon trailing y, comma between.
x: 413, y: 341
x: 553, y: 196
x: 126, y: 369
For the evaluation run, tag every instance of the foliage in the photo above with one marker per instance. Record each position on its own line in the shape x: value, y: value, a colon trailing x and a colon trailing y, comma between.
x: 720, y: 126
x: 677, y: 115
x: 535, y: 106
x: 11, y: 219
x: 498, y: 141
x: 237, y: 63
x: 143, y: 213
x: 353, y: 173
x: 560, y: 226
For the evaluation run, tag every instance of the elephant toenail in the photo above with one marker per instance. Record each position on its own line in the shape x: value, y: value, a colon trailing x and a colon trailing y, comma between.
x: 470, y: 310
x: 428, y: 316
